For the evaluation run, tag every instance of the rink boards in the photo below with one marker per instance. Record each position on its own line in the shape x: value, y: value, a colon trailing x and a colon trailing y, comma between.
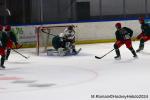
x: 87, y: 32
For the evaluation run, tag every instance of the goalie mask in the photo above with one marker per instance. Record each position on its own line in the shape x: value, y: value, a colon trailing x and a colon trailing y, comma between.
x: 70, y: 27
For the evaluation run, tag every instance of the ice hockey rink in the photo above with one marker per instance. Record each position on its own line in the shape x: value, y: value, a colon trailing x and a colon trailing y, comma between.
x: 76, y: 77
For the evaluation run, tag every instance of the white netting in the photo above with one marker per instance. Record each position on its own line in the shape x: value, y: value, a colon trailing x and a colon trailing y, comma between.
x: 45, y: 35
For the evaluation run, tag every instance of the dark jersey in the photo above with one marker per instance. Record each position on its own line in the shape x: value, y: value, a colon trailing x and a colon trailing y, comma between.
x: 3, y: 39
x: 145, y: 29
x: 11, y: 35
x: 124, y: 33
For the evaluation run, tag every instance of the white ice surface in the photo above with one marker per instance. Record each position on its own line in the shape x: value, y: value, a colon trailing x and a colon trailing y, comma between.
x: 75, y: 77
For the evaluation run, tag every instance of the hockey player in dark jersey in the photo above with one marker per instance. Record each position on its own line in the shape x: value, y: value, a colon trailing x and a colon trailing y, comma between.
x: 123, y: 36
x: 3, y: 44
x: 12, y: 39
x: 145, y: 34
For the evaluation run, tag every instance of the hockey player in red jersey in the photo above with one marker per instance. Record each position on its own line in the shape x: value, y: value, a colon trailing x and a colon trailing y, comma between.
x: 123, y: 36
x: 12, y: 39
x: 145, y: 34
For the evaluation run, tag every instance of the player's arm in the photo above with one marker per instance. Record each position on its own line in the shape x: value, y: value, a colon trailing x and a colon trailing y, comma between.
x: 130, y: 31
x: 14, y: 37
x: 15, y: 40
x: 4, y: 40
x: 146, y: 29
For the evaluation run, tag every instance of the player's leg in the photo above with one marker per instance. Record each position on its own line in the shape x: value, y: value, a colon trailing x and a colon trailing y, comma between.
x: 74, y: 49
x: 142, y: 41
x: 141, y: 45
x: 133, y: 52
x: 8, y: 53
x: 73, y: 46
x: 140, y: 36
x: 116, y: 47
x: 2, y: 61
x: 129, y: 46
x: 2, y: 53
x: 9, y: 46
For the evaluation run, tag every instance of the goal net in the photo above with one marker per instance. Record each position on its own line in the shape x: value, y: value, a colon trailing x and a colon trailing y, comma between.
x: 44, y: 36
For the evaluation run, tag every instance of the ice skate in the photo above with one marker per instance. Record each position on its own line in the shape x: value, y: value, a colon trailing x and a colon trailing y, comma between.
x: 138, y: 50
x: 117, y: 57
x: 2, y: 67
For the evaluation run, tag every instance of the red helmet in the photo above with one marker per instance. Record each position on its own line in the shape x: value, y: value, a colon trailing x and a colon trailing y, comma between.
x: 1, y: 27
x: 7, y: 28
x: 118, y: 25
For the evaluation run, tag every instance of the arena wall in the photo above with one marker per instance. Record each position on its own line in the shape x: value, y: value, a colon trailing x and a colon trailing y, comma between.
x: 86, y: 32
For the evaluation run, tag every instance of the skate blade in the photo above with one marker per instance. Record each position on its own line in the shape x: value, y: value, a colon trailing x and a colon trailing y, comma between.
x: 119, y: 58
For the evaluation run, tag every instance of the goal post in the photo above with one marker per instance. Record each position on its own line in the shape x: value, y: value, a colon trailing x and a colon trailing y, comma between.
x: 45, y: 34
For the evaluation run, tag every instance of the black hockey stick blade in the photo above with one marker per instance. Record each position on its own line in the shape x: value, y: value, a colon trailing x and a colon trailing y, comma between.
x: 98, y: 57
x: 27, y: 57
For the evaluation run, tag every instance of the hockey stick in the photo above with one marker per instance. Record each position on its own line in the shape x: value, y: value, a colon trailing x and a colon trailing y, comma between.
x: 18, y: 47
x: 97, y: 57
x: 20, y: 54
x: 55, y: 26
x: 61, y: 26
x: 47, y: 32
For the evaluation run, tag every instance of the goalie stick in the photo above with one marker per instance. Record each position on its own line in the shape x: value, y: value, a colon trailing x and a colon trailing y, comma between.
x: 97, y: 57
x: 55, y: 26
x: 61, y: 26
x: 47, y: 32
